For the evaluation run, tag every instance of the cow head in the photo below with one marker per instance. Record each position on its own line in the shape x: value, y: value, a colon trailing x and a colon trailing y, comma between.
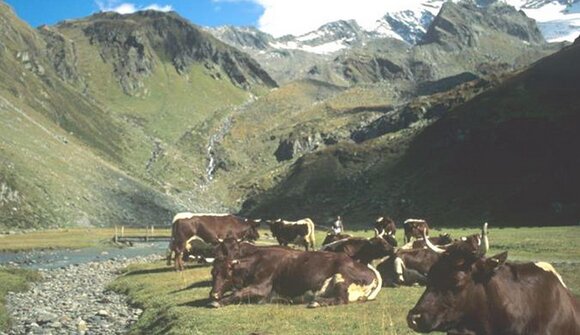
x: 222, y: 277
x: 251, y: 233
x: 454, y: 287
x: 444, y: 239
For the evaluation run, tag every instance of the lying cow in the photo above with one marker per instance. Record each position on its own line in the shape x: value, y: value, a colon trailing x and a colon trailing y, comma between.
x: 361, y: 249
x: 414, y: 228
x: 299, y: 232
x: 209, y: 228
x: 470, y: 294
x: 442, y: 239
x: 411, y: 266
x: 259, y: 272
x: 334, y: 237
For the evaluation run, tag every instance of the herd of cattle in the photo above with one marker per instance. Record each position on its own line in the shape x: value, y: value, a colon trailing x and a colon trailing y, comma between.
x: 466, y: 292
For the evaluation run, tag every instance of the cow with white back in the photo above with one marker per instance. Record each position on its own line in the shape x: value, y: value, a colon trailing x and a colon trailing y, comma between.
x: 468, y: 293
x: 258, y: 272
x: 210, y: 229
x: 299, y: 232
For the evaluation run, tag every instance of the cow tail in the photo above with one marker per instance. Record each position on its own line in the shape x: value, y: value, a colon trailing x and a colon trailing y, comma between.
x: 377, y: 289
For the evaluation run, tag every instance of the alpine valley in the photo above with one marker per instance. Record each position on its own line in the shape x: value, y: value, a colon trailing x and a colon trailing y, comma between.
x: 459, y: 112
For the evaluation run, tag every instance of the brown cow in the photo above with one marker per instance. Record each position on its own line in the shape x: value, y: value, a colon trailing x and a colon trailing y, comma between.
x: 442, y: 239
x: 413, y: 228
x: 361, y: 249
x: 467, y: 293
x: 410, y: 266
x: 385, y: 225
x: 209, y: 228
x: 334, y: 237
x: 299, y: 232
x: 332, y: 278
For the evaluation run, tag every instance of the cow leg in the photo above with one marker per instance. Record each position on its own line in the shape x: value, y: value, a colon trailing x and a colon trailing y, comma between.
x: 250, y: 293
x: 338, y: 296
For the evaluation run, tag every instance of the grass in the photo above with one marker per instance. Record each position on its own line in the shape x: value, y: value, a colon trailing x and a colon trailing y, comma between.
x: 13, y: 280
x: 170, y: 307
x: 73, y: 238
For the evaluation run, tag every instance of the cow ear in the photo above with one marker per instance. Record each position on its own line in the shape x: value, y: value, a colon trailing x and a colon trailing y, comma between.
x: 491, y: 264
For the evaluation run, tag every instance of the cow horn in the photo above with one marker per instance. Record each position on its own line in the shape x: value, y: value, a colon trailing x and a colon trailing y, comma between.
x: 377, y: 234
x: 484, y: 247
x: 220, y: 240
x: 235, y: 261
x: 430, y: 245
x: 239, y: 240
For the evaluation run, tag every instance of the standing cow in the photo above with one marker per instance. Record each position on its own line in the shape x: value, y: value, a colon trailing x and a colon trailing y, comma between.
x: 467, y: 293
x: 299, y: 232
x: 209, y: 228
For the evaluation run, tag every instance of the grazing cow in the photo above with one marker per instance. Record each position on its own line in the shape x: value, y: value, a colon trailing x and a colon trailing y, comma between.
x: 413, y: 228
x: 209, y: 228
x: 258, y: 272
x: 334, y: 237
x: 361, y: 249
x: 299, y: 232
x: 468, y: 293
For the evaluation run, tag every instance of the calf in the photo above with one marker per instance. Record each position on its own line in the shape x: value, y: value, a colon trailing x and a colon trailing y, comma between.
x: 414, y: 228
x: 332, y: 278
x: 361, y: 249
x: 467, y: 293
x: 299, y: 232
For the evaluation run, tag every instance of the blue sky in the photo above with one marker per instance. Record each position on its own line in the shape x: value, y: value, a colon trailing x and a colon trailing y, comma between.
x: 277, y: 17
x: 201, y: 12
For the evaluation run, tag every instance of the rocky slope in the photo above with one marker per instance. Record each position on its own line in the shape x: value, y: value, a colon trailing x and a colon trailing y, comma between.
x: 503, y: 156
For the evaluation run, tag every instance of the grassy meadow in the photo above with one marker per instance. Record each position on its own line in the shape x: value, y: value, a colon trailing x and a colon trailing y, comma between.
x: 174, y: 307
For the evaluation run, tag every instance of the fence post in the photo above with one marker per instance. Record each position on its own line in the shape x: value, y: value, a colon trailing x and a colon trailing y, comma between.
x: 122, y: 231
x: 116, y: 238
x: 152, y: 230
x: 146, y: 233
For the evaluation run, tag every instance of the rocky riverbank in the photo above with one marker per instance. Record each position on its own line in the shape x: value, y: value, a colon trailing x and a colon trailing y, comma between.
x: 74, y: 300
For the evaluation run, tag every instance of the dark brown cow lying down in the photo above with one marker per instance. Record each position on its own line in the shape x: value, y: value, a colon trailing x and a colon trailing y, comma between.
x: 361, y: 249
x: 470, y: 294
x: 258, y: 272
x: 334, y: 237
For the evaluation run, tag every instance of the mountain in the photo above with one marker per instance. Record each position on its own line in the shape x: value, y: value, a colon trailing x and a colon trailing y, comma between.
x: 504, y: 155
x: 97, y: 116
x: 343, y: 53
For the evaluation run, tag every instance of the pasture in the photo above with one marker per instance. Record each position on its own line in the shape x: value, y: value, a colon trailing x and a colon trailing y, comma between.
x: 172, y: 307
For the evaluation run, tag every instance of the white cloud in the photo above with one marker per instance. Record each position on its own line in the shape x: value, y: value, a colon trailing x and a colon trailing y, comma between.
x: 128, y: 7
x: 301, y: 16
